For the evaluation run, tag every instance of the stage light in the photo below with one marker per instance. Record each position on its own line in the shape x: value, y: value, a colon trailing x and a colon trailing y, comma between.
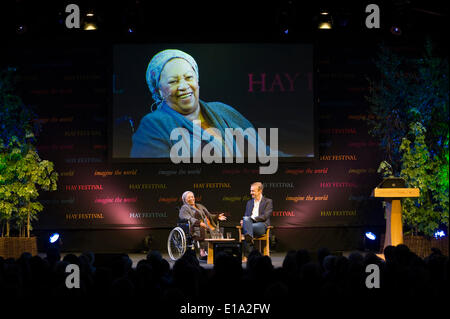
x: 325, y: 21
x: 371, y: 241
x: 395, y: 30
x: 53, y: 238
x: 54, y: 241
x: 90, y: 21
x: 371, y: 235
x: 325, y: 25
x: 439, y: 234
x: 21, y: 28
x: 90, y: 26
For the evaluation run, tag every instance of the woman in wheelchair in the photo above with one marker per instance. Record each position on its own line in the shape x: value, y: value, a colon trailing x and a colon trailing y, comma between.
x: 203, y: 224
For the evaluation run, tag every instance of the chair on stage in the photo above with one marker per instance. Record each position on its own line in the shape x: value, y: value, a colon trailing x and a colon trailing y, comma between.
x: 263, y: 241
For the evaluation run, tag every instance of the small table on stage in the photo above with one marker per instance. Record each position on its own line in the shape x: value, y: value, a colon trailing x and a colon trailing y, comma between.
x: 211, y: 242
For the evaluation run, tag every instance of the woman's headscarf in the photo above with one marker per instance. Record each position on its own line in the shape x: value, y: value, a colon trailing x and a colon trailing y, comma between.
x: 183, y: 197
x: 156, y: 65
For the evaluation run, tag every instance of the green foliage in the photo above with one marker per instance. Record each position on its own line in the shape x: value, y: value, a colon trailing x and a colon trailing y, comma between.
x: 385, y: 169
x: 410, y: 102
x: 409, y: 90
x: 16, y: 118
x: 420, y: 169
x: 22, y: 172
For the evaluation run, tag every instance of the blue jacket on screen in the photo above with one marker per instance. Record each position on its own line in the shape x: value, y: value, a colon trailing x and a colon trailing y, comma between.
x: 152, y: 139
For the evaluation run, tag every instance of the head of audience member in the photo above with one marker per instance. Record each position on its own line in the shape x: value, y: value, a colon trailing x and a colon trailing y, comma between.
x: 372, y: 258
x: 261, y: 266
x: 321, y: 254
x: 328, y: 264
x: 186, y: 276
x: 227, y: 267
x: 71, y: 259
x: 252, y: 258
x: 402, y: 254
x: 53, y: 255
x: 154, y: 257
x: 356, y: 258
x: 290, y: 262
x: 90, y: 256
x: 389, y: 253
x: 303, y: 257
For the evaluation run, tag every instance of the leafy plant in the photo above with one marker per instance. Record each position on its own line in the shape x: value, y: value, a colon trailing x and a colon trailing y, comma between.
x: 385, y: 169
x: 410, y: 104
x: 409, y: 90
x: 422, y: 170
x: 22, y: 172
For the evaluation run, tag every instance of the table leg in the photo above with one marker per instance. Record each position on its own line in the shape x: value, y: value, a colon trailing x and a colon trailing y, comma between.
x: 210, y: 260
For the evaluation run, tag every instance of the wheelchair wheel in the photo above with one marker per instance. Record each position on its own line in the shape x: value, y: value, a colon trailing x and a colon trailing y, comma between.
x: 176, y: 243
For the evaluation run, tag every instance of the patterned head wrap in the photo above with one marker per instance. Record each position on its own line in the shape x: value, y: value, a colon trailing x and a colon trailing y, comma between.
x: 183, y: 197
x: 157, y: 64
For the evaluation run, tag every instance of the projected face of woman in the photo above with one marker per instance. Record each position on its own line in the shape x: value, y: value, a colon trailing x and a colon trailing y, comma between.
x: 179, y: 86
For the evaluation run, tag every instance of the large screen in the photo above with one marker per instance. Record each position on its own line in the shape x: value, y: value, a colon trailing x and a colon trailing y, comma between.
x: 177, y: 99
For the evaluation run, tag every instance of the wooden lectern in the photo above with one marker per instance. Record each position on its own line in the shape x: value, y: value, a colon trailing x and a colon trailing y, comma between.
x: 392, y: 197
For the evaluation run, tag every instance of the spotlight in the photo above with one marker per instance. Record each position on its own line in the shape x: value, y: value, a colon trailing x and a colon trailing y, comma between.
x: 371, y: 241
x: 90, y: 21
x: 395, y: 30
x: 53, y: 238
x: 90, y: 26
x: 371, y: 235
x: 325, y: 21
x: 54, y: 241
x: 439, y: 234
x: 325, y: 25
x: 131, y: 28
x: 21, y: 28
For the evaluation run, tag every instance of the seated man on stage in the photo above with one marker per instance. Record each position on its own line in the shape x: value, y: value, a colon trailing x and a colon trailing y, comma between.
x: 257, y: 216
x: 202, y: 222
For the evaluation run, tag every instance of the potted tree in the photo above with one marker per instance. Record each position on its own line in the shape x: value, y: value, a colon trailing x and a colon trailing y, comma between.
x: 410, y: 106
x: 22, y: 173
x: 426, y: 214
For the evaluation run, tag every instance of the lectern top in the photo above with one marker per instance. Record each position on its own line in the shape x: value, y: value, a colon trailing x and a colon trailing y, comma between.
x: 396, y: 192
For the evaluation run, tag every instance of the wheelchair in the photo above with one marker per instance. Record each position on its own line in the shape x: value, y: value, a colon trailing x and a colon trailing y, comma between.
x: 180, y: 240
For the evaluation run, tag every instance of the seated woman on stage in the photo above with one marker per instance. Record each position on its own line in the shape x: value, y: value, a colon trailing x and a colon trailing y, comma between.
x: 202, y: 222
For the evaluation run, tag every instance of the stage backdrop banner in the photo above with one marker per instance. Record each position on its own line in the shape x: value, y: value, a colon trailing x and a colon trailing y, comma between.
x: 71, y: 91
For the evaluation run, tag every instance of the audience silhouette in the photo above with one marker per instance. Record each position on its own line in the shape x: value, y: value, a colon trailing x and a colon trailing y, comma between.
x: 300, y: 277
